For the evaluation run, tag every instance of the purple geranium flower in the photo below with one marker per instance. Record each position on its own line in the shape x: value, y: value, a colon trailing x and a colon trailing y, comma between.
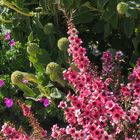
x: 12, y: 43
x: 7, y: 36
x: 1, y: 82
x: 8, y: 102
x: 46, y: 102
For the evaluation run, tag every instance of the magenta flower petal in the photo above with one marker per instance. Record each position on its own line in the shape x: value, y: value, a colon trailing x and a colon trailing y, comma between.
x: 12, y: 43
x: 8, y: 102
x: 25, y: 81
x: 1, y: 83
x: 46, y: 102
x: 7, y: 36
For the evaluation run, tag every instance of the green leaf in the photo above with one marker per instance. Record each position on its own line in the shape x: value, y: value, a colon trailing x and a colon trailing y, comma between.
x: 55, y: 93
x: 66, y: 3
x: 101, y: 3
x: 50, y: 85
x: 84, y: 15
x: 36, y: 18
x: 43, y: 57
x: 99, y: 26
x: 133, y: 59
x: 33, y: 59
x: 30, y: 37
x: 128, y: 26
x: 28, y: 92
x: 136, y: 41
x: 107, y: 30
x: 39, y: 67
x: 114, y: 20
x: 89, y: 6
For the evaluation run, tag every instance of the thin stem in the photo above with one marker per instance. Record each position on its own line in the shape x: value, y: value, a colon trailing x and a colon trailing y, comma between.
x: 9, y: 5
x: 4, y: 21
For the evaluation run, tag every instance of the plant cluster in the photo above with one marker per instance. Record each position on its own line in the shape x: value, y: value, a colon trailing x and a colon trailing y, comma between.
x: 73, y: 64
x: 100, y: 107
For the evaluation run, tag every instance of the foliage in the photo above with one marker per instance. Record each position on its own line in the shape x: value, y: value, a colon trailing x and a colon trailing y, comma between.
x: 37, y: 52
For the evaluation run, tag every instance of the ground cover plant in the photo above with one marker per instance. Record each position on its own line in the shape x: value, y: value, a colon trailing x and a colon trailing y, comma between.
x: 69, y: 70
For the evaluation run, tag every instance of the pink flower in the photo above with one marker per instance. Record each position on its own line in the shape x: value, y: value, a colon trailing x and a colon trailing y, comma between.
x: 26, y: 110
x: 46, y: 102
x: 118, y: 55
x: 62, y: 105
x: 25, y: 81
x: 8, y: 102
x: 41, y: 99
x: 109, y: 105
x: 1, y: 83
x: 12, y: 43
x: 7, y: 36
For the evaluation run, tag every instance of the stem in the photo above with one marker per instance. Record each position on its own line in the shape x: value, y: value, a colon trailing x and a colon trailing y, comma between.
x: 9, y: 5
x: 5, y: 21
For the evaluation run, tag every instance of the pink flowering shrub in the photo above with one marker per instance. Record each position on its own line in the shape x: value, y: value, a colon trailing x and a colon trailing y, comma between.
x: 9, y: 132
x: 100, y: 107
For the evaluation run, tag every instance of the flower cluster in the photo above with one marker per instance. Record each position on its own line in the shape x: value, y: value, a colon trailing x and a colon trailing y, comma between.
x: 94, y: 111
x: 9, y: 132
x: 8, y: 38
x: 38, y: 131
x: 45, y: 101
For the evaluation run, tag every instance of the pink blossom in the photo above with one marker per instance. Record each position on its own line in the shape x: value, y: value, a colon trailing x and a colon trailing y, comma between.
x: 25, y: 81
x: 8, y: 102
x: 12, y: 43
x: 1, y: 83
x: 7, y: 36
x: 62, y: 105
x: 46, y: 102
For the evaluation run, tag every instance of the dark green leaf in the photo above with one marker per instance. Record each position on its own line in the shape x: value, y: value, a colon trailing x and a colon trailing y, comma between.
x: 85, y: 15
x: 136, y: 41
x: 101, y: 3
x: 129, y: 25
x: 66, y: 3
x: 107, y: 30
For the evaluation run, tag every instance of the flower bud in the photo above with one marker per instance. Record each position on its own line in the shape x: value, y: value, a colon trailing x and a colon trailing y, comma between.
x: 16, y: 77
x: 52, y: 67
x: 122, y: 8
x: 49, y: 29
x: 63, y: 43
x: 32, y: 48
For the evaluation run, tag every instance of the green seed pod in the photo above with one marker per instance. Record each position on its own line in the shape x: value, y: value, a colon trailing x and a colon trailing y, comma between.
x: 52, y: 67
x: 122, y: 8
x: 63, y: 43
x: 49, y: 29
x: 32, y: 48
x: 16, y: 77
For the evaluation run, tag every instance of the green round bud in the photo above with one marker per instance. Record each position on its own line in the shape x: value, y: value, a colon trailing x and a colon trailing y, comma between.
x: 122, y: 8
x: 63, y: 43
x: 49, y: 29
x: 52, y: 67
x: 32, y: 48
x: 16, y: 77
